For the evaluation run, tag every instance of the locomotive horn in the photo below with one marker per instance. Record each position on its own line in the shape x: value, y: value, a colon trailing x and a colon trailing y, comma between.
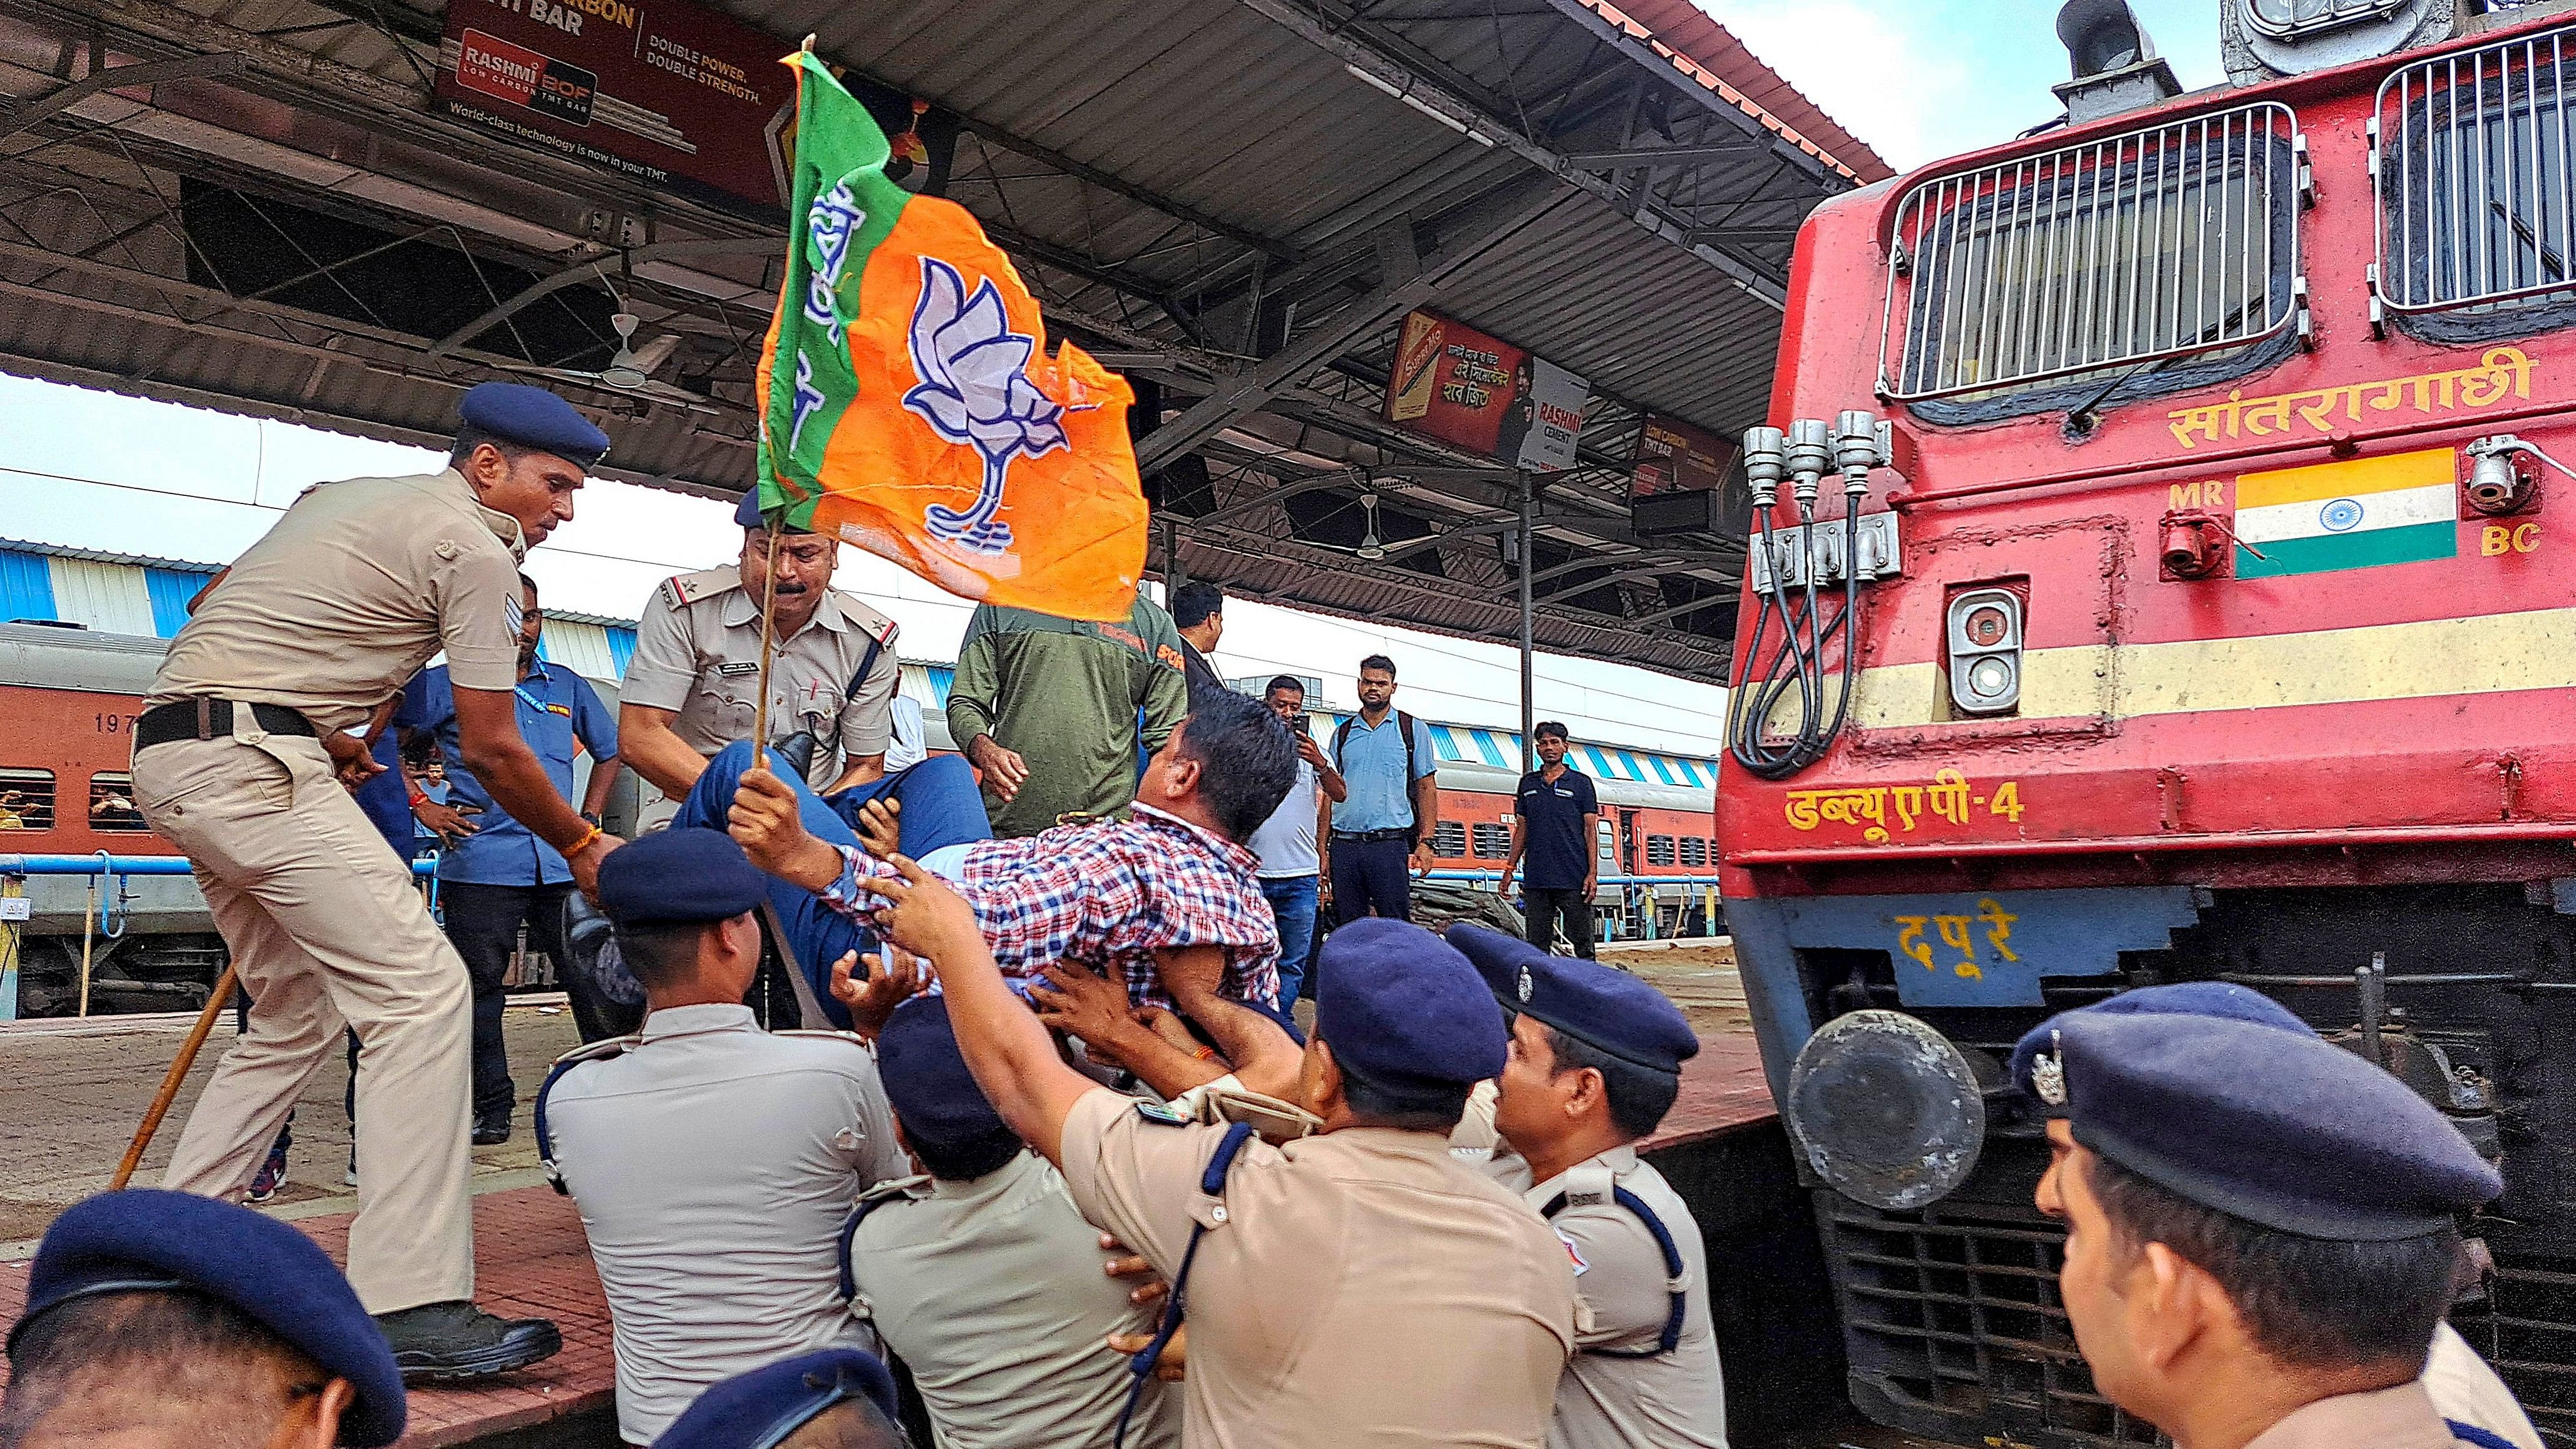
x: 169, y: 1092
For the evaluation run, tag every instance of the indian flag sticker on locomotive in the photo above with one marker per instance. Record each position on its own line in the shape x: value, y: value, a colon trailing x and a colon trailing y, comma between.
x: 2399, y: 509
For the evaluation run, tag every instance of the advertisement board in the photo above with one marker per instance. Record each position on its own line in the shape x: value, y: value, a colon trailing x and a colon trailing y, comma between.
x: 1454, y: 383
x: 667, y: 93
x: 1674, y: 457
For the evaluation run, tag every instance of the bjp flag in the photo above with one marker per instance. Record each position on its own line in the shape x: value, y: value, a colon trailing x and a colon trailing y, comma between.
x: 907, y: 400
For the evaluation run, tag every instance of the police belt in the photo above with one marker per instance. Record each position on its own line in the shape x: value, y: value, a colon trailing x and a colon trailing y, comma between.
x: 1392, y: 833
x: 212, y: 719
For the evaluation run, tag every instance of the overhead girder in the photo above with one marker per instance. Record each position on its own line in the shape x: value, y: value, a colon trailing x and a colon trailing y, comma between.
x: 1359, y: 49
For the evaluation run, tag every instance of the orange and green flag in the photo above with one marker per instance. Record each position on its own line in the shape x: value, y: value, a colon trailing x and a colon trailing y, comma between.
x: 908, y: 403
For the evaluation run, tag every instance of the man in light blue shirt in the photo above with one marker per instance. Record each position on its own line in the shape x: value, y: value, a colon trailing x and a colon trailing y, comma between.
x: 495, y: 874
x: 1382, y: 826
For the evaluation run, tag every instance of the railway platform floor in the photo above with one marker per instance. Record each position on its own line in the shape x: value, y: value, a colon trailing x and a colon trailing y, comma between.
x: 77, y: 1089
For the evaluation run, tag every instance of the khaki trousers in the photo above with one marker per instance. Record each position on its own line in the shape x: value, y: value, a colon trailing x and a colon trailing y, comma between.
x: 326, y: 927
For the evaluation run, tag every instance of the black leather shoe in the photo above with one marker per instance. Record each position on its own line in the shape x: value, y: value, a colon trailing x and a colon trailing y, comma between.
x: 612, y: 989
x: 492, y: 1131
x: 439, y: 1342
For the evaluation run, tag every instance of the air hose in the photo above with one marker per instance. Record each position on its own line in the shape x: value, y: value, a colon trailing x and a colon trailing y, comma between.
x: 1794, y: 682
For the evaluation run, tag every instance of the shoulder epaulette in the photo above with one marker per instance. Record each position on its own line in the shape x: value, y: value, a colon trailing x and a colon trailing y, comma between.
x: 871, y: 621
x: 825, y: 1034
x: 682, y: 590
x: 896, y: 1187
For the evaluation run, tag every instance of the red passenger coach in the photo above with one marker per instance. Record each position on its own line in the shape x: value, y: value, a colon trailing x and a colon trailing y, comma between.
x: 2186, y: 597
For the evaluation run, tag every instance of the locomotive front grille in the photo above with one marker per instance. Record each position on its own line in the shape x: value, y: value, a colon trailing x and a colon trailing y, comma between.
x: 2526, y: 1328
x: 1952, y: 1319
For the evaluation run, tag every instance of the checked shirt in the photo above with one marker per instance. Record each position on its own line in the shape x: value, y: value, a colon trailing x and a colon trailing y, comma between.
x: 1106, y: 895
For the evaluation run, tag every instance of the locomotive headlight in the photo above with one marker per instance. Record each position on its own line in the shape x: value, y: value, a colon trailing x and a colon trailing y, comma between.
x: 1985, y: 650
x: 1989, y: 679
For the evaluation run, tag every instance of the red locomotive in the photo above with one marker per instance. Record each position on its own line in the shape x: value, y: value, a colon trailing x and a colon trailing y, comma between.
x: 2160, y: 581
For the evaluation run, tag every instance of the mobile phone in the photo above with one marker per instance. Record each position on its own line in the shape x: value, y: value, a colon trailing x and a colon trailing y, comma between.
x: 1305, y: 726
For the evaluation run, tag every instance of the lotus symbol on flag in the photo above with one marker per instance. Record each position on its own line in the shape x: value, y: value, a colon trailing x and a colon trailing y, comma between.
x: 974, y: 389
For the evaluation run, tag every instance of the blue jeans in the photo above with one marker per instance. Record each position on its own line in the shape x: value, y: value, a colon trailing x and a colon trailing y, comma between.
x: 1292, y: 905
x: 942, y: 806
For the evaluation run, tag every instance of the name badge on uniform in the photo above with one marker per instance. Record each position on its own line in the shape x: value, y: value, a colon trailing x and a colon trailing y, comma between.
x: 736, y: 668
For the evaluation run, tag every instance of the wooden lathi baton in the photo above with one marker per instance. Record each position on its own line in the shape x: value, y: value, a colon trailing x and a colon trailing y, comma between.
x: 216, y: 1001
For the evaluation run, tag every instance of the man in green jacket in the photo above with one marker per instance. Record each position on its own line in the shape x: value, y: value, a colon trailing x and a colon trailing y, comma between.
x: 1054, y: 711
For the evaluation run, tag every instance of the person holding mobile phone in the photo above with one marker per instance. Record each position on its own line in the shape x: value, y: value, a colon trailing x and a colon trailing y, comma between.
x: 1289, y: 843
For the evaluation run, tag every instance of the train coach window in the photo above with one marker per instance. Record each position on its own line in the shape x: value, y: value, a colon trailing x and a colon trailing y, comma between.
x: 2093, y: 272
x: 1694, y: 850
x: 1493, y: 842
x: 1449, y: 839
x: 2473, y: 180
x: 26, y: 799
x: 1660, y: 850
x: 111, y: 804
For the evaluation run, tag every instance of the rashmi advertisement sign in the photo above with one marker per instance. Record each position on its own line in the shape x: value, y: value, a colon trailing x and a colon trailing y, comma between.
x: 666, y: 92
x: 1476, y: 392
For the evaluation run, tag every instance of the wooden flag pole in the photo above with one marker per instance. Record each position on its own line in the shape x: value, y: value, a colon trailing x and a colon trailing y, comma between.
x: 215, y: 1003
x: 768, y: 646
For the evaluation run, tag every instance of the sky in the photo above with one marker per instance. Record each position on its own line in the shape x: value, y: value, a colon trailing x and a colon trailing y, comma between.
x: 1923, y: 79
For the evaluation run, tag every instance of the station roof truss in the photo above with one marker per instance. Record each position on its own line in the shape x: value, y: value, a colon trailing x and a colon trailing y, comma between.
x: 252, y: 204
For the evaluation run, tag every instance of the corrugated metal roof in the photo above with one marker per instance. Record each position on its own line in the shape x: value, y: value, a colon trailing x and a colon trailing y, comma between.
x: 1153, y: 164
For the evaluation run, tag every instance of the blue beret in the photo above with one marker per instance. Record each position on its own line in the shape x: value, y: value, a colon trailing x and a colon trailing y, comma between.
x: 757, y: 1409
x: 746, y: 514
x: 1404, y: 1009
x: 2223, y: 999
x: 2287, y: 1131
x: 144, y: 1240
x: 679, y: 875
x: 926, y: 1078
x: 1601, y: 1006
x: 533, y: 418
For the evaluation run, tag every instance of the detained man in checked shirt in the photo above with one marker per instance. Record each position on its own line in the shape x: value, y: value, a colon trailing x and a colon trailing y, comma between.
x: 1166, y: 894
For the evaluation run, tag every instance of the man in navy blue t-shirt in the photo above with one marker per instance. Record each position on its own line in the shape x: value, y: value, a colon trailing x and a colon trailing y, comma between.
x: 1554, y: 825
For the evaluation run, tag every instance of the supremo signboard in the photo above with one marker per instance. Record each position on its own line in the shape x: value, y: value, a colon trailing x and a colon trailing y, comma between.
x: 675, y: 96
x: 1471, y: 391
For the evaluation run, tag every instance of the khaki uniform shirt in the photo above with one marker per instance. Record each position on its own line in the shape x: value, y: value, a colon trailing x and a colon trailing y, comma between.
x: 2398, y: 1418
x: 2463, y: 1388
x: 1360, y: 1287
x: 992, y: 1291
x: 1621, y: 1302
x: 349, y: 594
x: 697, y: 652
x: 713, y: 1165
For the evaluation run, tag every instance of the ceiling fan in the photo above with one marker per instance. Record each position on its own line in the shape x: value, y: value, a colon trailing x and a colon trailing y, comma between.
x: 630, y: 370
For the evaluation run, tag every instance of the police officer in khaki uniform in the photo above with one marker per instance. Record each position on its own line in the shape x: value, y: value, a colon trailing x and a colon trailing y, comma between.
x: 983, y: 1276
x: 1596, y: 1062
x: 2262, y: 1228
x: 1356, y: 1286
x: 692, y: 686
x: 240, y: 756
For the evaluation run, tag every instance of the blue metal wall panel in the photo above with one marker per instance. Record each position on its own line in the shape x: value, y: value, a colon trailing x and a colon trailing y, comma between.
x: 943, y: 677
x: 171, y: 589
x: 26, y: 586
x: 621, y: 647
x: 1445, y: 745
